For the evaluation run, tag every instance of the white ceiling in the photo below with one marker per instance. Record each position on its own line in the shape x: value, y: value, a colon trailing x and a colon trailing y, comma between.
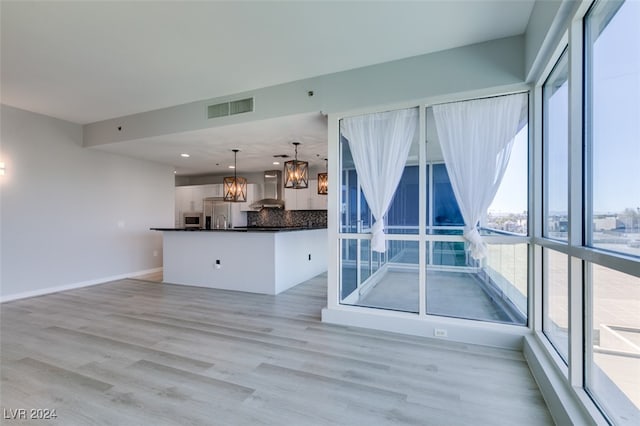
x: 258, y: 141
x: 87, y: 61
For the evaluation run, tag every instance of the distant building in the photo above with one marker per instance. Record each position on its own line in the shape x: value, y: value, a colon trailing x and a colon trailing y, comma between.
x: 606, y: 223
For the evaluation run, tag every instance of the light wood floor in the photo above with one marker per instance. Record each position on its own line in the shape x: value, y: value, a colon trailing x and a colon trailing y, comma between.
x: 153, y: 276
x: 133, y: 352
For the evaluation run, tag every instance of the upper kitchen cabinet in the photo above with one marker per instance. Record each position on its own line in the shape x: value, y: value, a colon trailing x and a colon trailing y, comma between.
x: 213, y: 190
x: 305, y: 199
x: 296, y: 199
x: 254, y: 193
x: 318, y: 201
x: 189, y: 198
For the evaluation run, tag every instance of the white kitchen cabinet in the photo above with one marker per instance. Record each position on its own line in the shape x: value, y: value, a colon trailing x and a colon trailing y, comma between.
x: 297, y: 199
x: 305, y: 199
x: 187, y: 198
x: 318, y: 201
x: 291, y: 199
x: 254, y: 193
x: 179, y: 195
x: 184, y: 203
x: 211, y: 190
x: 195, y: 200
x: 238, y: 216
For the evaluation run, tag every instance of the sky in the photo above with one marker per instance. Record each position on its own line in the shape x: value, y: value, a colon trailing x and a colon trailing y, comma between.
x: 512, y: 194
x: 615, y: 127
x: 616, y: 112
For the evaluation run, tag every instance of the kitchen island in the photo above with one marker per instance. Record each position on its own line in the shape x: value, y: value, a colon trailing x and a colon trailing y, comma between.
x: 257, y: 260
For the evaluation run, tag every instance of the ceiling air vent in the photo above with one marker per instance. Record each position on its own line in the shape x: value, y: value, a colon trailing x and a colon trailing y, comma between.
x: 243, y: 105
x: 218, y: 110
x: 230, y: 108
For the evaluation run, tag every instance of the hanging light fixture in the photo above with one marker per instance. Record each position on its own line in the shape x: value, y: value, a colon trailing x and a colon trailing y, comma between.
x: 323, y: 181
x: 235, y: 187
x: 296, y: 173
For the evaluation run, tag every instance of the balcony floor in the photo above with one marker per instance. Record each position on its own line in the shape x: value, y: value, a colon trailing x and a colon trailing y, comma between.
x: 454, y: 294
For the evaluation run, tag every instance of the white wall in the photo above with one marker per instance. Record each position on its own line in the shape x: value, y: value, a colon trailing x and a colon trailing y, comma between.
x: 476, y: 67
x: 540, y: 22
x: 72, y: 216
x: 292, y: 252
x: 547, y: 24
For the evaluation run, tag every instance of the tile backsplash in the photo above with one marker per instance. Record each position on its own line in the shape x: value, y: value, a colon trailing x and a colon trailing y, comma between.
x: 280, y: 217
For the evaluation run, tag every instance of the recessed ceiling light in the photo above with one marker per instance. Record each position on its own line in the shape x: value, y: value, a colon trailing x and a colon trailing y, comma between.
x: 232, y: 167
x: 185, y: 155
x: 275, y: 163
x: 175, y: 172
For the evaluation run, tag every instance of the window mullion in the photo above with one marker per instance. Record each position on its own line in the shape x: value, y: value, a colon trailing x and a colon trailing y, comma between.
x: 576, y: 219
x: 422, y: 213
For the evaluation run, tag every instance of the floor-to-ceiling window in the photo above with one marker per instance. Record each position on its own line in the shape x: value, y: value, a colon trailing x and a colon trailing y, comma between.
x: 555, y: 205
x: 455, y: 284
x: 612, y: 207
x: 590, y: 210
x: 380, y: 279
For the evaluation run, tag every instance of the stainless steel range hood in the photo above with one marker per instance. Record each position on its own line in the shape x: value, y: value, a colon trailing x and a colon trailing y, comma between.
x: 272, y: 191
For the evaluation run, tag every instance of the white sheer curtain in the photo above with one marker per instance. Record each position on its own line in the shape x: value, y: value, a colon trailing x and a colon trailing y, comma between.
x: 379, y: 146
x: 476, y: 139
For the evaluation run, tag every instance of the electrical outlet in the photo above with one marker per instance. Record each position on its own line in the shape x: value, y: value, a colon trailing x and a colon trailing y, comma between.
x: 440, y: 332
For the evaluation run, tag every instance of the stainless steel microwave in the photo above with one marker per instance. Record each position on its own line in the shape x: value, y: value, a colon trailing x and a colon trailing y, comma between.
x: 192, y: 220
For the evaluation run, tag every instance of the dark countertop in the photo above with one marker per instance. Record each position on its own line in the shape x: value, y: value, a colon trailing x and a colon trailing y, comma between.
x: 245, y: 229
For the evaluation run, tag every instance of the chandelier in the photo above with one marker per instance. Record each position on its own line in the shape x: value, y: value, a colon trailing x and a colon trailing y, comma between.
x: 296, y: 173
x: 235, y: 187
x: 323, y: 181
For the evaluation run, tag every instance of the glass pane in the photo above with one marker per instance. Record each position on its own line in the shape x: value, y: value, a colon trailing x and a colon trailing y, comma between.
x: 428, y: 253
x: 379, y: 259
x: 449, y: 253
x: 366, y: 219
x: 402, y: 212
x: 355, y: 216
x: 348, y: 271
x: 497, y: 292
x: 445, y: 206
x: 467, y: 295
x: 613, y: 349
x: 394, y: 287
x: 613, y: 126
x: 505, y: 274
x: 508, y: 210
x: 402, y: 217
x: 365, y: 259
x: 555, y: 176
x: 427, y: 189
x: 555, y: 292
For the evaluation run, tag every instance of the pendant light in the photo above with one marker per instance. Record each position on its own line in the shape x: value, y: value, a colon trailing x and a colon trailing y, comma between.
x: 235, y: 187
x: 323, y: 181
x: 296, y: 173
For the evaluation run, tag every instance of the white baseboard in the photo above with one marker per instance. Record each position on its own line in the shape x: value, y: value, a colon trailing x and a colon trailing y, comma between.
x: 458, y: 330
x: 49, y: 290
x: 568, y: 406
x: 145, y: 272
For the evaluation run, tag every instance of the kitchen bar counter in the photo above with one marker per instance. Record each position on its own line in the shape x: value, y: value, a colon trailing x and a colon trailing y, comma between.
x: 244, y: 229
x: 253, y: 259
